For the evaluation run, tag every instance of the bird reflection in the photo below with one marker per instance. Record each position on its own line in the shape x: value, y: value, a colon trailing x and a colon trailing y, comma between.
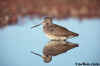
x: 54, y: 48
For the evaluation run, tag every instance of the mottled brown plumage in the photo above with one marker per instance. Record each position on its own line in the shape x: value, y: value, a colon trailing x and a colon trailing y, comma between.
x: 59, y: 31
x: 54, y: 48
x: 56, y: 32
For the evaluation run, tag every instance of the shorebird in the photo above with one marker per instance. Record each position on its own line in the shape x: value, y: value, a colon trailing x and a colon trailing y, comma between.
x: 54, y: 48
x: 54, y: 31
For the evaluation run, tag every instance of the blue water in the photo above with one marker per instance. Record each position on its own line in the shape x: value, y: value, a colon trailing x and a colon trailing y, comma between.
x: 17, y: 41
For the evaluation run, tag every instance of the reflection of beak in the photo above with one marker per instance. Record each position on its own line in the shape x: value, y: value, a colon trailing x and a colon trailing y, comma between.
x: 36, y: 54
x: 36, y: 25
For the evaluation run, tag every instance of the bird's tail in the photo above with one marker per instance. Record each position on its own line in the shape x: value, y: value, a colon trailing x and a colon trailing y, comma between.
x: 75, y: 34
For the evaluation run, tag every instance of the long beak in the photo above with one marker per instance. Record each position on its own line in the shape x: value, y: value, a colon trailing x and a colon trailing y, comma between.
x: 36, y: 54
x: 36, y: 26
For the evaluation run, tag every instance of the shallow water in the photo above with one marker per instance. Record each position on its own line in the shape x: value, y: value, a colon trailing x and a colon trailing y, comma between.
x: 16, y: 42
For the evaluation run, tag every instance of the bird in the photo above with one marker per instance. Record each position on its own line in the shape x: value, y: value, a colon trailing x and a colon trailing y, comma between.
x: 54, y: 48
x: 54, y: 31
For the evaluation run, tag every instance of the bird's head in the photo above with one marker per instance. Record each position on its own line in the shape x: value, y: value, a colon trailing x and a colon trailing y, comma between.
x: 45, y: 58
x: 47, y: 20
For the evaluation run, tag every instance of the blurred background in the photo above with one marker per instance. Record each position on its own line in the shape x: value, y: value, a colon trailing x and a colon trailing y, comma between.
x: 17, y: 39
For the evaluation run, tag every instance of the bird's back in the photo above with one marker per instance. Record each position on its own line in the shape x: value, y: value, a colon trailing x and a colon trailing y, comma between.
x: 57, y: 30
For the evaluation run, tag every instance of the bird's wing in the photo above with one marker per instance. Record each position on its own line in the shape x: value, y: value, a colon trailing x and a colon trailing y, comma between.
x: 59, y: 30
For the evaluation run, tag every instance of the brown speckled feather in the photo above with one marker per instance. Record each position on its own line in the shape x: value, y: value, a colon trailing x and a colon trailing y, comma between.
x: 57, y: 30
x: 54, y: 48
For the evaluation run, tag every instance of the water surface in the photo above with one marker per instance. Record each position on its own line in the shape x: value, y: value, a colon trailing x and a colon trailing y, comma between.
x: 17, y: 41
